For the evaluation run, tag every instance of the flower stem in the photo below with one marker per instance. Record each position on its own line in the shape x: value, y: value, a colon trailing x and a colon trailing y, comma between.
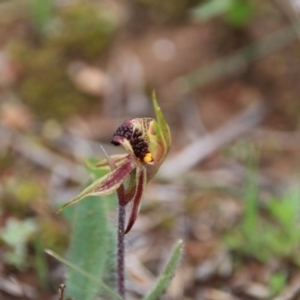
x: 121, y: 238
x: 121, y: 231
x: 121, y: 251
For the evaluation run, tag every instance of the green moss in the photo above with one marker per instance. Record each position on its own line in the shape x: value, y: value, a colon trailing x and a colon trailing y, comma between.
x: 85, y: 32
x: 6, y: 161
x: 52, y: 234
x: 168, y: 222
x: 45, y: 87
x: 28, y: 192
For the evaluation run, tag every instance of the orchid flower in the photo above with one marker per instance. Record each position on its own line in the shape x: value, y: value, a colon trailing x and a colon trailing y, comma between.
x: 147, y: 142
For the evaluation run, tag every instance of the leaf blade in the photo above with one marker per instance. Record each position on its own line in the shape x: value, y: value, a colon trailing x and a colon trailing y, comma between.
x: 89, y: 248
x: 167, y: 274
x: 66, y: 262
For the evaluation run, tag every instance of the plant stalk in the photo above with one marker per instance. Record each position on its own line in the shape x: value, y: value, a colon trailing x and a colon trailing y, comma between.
x: 121, y: 251
x: 121, y: 232
x: 121, y: 244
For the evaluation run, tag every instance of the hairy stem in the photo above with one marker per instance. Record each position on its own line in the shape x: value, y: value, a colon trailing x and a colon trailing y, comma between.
x: 121, y: 251
x: 121, y: 238
x: 121, y: 231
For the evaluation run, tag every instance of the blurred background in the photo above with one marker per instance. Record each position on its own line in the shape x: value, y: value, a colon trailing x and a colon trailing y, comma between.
x: 226, y: 73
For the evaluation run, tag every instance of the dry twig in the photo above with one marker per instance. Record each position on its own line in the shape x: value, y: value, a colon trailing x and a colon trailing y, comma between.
x: 204, y: 146
x: 41, y: 156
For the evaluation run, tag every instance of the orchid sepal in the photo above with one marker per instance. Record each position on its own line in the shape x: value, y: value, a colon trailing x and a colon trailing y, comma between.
x: 163, y: 127
x: 105, y: 185
x: 141, y: 175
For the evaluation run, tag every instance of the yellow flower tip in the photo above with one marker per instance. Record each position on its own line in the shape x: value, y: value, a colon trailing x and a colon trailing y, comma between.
x: 148, y: 159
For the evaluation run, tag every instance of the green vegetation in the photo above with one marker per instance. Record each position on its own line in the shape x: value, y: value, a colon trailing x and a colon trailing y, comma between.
x: 277, y: 282
x: 80, y: 32
x: 91, y: 246
x: 16, y: 235
x: 90, y: 263
x: 270, y: 231
x: 167, y: 274
x: 235, y: 12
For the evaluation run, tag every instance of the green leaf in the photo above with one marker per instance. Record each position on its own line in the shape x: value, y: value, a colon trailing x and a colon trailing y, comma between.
x: 16, y: 234
x: 41, y: 12
x: 167, y: 274
x: 211, y: 9
x: 85, y: 274
x: 239, y: 13
x: 89, y: 249
x: 277, y: 282
x: 236, y: 12
x: 250, y: 220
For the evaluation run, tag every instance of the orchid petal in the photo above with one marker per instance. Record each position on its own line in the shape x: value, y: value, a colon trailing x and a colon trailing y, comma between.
x: 130, y: 187
x: 140, y: 187
x: 161, y: 121
x: 120, y: 140
x: 106, y: 184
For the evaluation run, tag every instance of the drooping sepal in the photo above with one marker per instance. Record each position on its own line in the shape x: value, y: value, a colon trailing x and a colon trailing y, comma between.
x: 106, y: 184
x: 141, y: 177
